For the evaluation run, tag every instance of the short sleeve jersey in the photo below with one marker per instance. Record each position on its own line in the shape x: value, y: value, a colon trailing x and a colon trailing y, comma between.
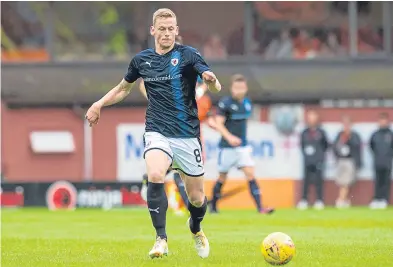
x: 236, y: 114
x: 170, y: 86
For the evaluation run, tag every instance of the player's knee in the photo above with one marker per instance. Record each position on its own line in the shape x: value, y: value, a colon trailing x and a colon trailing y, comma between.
x: 250, y: 177
x: 249, y: 173
x: 222, y: 177
x: 197, y: 200
x: 156, y: 176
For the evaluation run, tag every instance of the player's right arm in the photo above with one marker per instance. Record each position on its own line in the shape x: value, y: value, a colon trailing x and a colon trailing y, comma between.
x: 220, y: 124
x: 220, y: 127
x: 116, y: 94
x: 211, y: 122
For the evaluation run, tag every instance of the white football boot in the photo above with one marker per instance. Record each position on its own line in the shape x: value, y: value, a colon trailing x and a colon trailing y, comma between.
x: 159, y: 249
x: 374, y: 204
x: 201, y: 243
x: 383, y: 204
x: 302, y: 205
x: 318, y: 205
x: 343, y: 204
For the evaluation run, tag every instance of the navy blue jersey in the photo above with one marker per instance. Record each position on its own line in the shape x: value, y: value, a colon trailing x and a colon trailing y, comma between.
x: 170, y: 81
x: 236, y: 114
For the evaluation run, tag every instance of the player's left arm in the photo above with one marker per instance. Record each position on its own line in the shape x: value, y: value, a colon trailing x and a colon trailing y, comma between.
x: 213, y: 84
x: 204, y: 71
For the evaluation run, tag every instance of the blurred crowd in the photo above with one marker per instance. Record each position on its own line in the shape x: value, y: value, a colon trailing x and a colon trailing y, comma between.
x: 281, y: 30
x: 319, y: 43
x: 347, y: 148
x: 20, y: 26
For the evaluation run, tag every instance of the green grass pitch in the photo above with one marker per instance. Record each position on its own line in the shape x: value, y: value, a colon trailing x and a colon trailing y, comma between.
x: 123, y: 237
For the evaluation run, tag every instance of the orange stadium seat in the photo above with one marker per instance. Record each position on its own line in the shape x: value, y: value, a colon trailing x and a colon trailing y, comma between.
x: 301, y: 11
x: 25, y: 55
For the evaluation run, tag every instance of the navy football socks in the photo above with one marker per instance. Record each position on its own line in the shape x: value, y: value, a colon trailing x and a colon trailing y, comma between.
x: 255, y: 193
x: 197, y: 215
x: 216, y: 195
x: 157, y: 204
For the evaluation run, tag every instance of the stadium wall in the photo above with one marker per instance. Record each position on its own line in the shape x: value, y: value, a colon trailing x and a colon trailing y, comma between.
x: 19, y: 163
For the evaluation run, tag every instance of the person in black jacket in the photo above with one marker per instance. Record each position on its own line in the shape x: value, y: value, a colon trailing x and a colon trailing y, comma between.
x: 381, y: 145
x: 314, y: 145
x: 347, y: 149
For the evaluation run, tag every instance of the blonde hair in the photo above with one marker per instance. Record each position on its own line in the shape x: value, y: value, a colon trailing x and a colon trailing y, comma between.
x: 163, y: 13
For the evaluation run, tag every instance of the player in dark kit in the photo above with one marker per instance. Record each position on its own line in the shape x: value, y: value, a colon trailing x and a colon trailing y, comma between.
x: 231, y: 121
x: 172, y: 127
x: 176, y: 176
x: 204, y: 107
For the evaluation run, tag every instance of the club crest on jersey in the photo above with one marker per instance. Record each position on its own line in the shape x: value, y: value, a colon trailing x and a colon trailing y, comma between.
x: 174, y: 61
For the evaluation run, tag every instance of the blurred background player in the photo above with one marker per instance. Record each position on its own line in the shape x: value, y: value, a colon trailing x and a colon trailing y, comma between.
x: 381, y: 144
x: 314, y: 145
x: 231, y: 121
x: 347, y: 149
x: 178, y: 196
